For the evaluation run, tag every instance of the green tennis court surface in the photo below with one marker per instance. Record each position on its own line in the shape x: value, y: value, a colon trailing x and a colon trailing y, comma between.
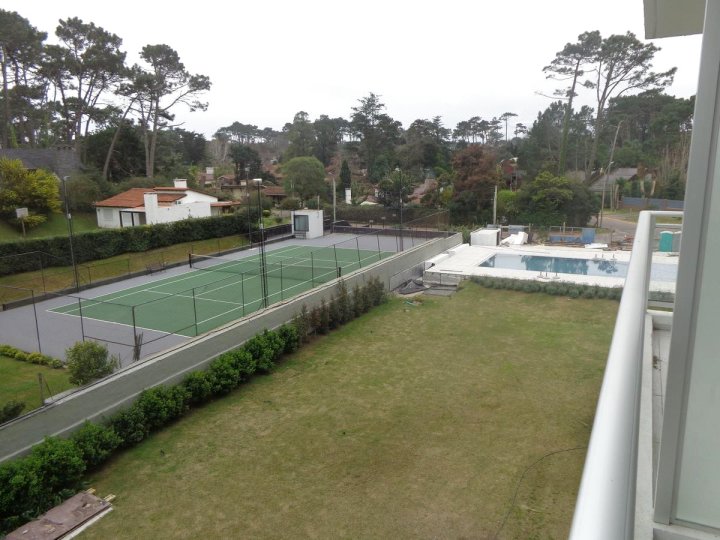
x: 221, y: 290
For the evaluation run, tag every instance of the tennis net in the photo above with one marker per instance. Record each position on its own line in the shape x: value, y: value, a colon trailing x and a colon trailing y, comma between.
x: 279, y: 270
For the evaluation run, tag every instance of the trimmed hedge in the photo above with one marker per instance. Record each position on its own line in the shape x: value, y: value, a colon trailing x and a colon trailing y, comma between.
x: 101, y: 244
x: 573, y: 290
x: 31, y: 485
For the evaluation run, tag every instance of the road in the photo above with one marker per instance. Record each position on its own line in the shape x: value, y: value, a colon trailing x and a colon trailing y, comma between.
x: 619, y: 226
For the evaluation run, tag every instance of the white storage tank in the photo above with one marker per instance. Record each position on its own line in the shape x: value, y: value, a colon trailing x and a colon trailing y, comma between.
x: 485, y: 237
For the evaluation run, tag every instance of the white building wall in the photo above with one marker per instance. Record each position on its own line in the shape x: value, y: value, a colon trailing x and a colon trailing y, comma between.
x: 177, y: 212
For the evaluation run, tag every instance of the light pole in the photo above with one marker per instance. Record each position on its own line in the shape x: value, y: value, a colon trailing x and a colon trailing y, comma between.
x: 263, y: 262
x: 401, y: 187
x: 68, y: 216
x: 247, y: 194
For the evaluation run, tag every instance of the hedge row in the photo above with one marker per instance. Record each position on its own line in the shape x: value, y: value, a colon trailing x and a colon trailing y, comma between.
x: 33, y: 358
x: 54, y: 469
x: 573, y: 290
x: 101, y: 244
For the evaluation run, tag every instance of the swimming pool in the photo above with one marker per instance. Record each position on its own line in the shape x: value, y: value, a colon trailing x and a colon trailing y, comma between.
x: 567, y: 265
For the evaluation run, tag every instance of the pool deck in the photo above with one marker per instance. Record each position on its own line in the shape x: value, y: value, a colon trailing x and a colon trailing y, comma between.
x: 463, y: 262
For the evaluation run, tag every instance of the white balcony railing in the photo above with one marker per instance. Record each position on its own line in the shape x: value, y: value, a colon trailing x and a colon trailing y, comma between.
x: 605, y: 506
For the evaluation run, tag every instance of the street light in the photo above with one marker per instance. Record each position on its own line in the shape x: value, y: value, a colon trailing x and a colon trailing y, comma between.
x: 399, y: 174
x: 68, y: 216
x: 247, y: 194
x: 263, y: 262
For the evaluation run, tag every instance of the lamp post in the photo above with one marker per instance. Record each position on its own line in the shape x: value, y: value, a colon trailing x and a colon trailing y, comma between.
x: 247, y: 194
x: 263, y: 262
x: 68, y: 216
x: 401, y: 189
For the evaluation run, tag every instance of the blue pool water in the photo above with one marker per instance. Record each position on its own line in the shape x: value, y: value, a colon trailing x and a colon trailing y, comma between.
x: 567, y: 265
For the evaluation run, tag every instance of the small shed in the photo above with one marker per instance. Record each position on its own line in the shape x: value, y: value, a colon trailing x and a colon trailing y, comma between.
x: 307, y: 223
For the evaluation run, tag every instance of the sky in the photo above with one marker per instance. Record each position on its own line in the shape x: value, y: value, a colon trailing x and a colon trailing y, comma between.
x: 269, y: 59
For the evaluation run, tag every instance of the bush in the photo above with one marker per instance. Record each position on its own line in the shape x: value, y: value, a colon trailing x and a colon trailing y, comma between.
x: 88, y: 361
x: 199, y: 386
x: 95, y: 443
x: 324, y: 324
x: 130, y: 426
x: 10, y: 410
x: 334, y: 312
x: 302, y: 324
x: 346, y: 311
x: 291, y: 339
x: 161, y: 404
x: 358, y: 301
x: 224, y: 375
x: 58, y: 463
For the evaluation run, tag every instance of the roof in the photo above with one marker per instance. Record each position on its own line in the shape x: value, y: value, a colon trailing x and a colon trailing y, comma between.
x: 276, y: 191
x: 226, y: 203
x: 135, y: 197
x: 62, y: 161
x: 667, y: 18
x: 606, y: 180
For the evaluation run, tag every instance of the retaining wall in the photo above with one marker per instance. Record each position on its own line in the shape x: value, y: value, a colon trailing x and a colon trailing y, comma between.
x: 97, y: 401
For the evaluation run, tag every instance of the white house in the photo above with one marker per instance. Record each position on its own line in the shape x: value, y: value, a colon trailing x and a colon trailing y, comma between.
x: 148, y: 206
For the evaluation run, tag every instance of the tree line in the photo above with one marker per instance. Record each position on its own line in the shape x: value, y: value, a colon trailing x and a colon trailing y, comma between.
x: 120, y: 120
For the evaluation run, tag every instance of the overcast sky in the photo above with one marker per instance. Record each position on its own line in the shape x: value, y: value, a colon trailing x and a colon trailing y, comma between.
x: 268, y: 59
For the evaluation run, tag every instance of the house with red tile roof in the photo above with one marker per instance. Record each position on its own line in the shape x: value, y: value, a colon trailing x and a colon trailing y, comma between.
x: 148, y: 206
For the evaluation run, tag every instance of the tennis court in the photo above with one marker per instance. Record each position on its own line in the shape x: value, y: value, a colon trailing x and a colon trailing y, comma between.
x: 219, y: 290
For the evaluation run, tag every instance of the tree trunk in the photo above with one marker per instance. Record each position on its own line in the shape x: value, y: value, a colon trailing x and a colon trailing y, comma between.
x: 566, y: 123
x: 116, y: 135
x: 599, y: 119
x: 150, y: 165
x: 6, y: 101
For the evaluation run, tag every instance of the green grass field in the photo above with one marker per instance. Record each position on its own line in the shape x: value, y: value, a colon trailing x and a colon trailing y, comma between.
x: 56, y: 225
x: 414, y: 421
x: 198, y: 301
x: 19, y: 382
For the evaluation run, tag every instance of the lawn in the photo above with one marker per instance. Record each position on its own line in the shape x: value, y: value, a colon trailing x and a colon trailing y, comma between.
x: 56, y: 225
x: 460, y: 417
x: 19, y: 382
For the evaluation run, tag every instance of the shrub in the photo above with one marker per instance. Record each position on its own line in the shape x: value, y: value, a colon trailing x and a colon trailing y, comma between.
x: 88, y: 361
x: 95, y: 443
x: 244, y: 362
x: 358, y: 301
x: 262, y: 349
x: 315, y: 319
x: 58, y: 465
x: 334, y: 312
x: 290, y: 337
x: 130, y: 426
x: 225, y: 374
x: 162, y: 404
x: 377, y: 291
x: 10, y: 410
x: 324, y: 326
x: 344, y: 302
x: 302, y: 324
x: 199, y: 386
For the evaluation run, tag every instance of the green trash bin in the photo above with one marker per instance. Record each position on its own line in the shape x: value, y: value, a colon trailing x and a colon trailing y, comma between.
x: 666, y: 241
